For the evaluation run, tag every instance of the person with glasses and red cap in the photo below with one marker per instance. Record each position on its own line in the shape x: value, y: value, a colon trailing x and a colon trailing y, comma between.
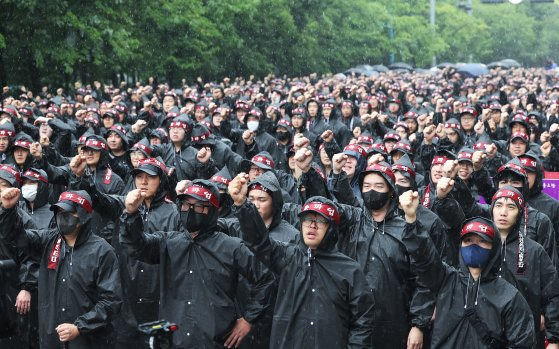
x: 323, y: 298
x: 79, y: 281
x: 475, y: 307
x: 199, y: 267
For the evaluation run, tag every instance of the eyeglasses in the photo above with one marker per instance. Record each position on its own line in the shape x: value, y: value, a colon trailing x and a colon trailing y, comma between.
x: 320, y: 223
x: 198, y: 208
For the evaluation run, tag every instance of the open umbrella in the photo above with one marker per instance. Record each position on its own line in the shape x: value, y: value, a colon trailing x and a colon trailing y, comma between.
x: 400, y: 65
x: 510, y: 63
x: 446, y: 65
x: 380, y: 68
x: 473, y: 69
x: 495, y: 65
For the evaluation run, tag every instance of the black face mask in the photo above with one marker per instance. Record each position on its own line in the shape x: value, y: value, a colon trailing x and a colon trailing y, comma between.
x: 66, y: 222
x: 193, y: 221
x: 374, y: 200
x: 401, y: 190
x: 282, y: 136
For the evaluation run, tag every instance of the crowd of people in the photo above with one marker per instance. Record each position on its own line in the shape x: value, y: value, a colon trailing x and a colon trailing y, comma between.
x: 403, y: 210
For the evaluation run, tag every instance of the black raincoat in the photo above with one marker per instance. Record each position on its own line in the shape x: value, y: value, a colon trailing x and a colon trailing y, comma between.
x: 323, y: 299
x: 497, y: 303
x: 83, y: 289
x: 199, y: 278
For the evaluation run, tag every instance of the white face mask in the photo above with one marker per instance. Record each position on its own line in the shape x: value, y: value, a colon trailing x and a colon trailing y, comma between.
x: 253, y: 125
x: 29, y: 191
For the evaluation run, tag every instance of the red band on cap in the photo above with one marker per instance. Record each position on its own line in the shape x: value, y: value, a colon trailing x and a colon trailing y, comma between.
x: 480, y: 146
x: 514, y: 167
x: 327, y: 105
x: 325, y: 209
x: 392, y: 135
x: 22, y: 144
x: 69, y: 196
x: 404, y: 146
x: 93, y: 143
x: 153, y: 162
x: 35, y: 175
x: 465, y: 156
x: 11, y: 171
x: 356, y: 148
x: 118, y: 128
x: 529, y: 163
x: 220, y: 179
x: 407, y: 169
x: 142, y: 147
x: 439, y: 160
x: 92, y: 119
x: 202, y: 107
x: 381, y: 168
x: 93, y: 110
x: 284, y: 122
x: 201, y: 137
x: 347, y: 104
x: 258, y: 186
x: 478, y: 227
x: 179, y: 124
x: 365, y: 139
x: 451, y: 125
x: 522, y: 135
x: 263, y: 160
x: 8, y: 133
x: 505, y: 193
x: 202, y: 193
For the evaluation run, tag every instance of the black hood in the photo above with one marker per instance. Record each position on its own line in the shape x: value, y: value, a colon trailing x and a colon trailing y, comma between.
x: 213, y: 213
x: 328, y: 243
x: 538, y: 184
x: 491, y: 270
x: 269, y: 181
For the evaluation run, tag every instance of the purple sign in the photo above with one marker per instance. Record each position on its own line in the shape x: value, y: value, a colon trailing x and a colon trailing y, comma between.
x: 551, y: 188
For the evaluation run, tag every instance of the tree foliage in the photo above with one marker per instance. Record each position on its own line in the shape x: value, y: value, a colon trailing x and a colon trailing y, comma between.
x: 61, y: 41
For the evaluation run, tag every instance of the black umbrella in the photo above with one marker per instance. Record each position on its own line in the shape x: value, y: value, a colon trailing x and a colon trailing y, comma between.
x: 380, y: 68
x: 446, y: 65
x: 473, y: 69
x: 400, y: 65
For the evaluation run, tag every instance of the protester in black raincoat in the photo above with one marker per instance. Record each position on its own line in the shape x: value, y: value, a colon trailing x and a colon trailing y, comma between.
x: 323, y: 299
x: 140, y: 281
x: 94, y: 168
x: 536, y: 198
x: 526, y: 265
x: 475, y: 308
x: 19, y: 283
x: 265, y: 193
x: 35, y: 193
x: 371, y: 235
x: 79, y: 281
x: 199, y: 270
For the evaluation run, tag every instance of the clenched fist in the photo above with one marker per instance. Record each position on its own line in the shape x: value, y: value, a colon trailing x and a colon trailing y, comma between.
x: 444, y: 186
x: 238, y: 189
x: 338, y: 162
x: 409, y: 201
x: 204, y: 155
x: 10, y: 197
x: 133, y: 200
x: 303, y: 159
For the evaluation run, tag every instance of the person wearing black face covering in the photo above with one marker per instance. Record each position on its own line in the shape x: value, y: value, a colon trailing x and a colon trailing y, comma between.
x: 475, y: 308
x: 371, y: 233
x: 140, y: 280
x: 199, y: 269
x: 79, y: 281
